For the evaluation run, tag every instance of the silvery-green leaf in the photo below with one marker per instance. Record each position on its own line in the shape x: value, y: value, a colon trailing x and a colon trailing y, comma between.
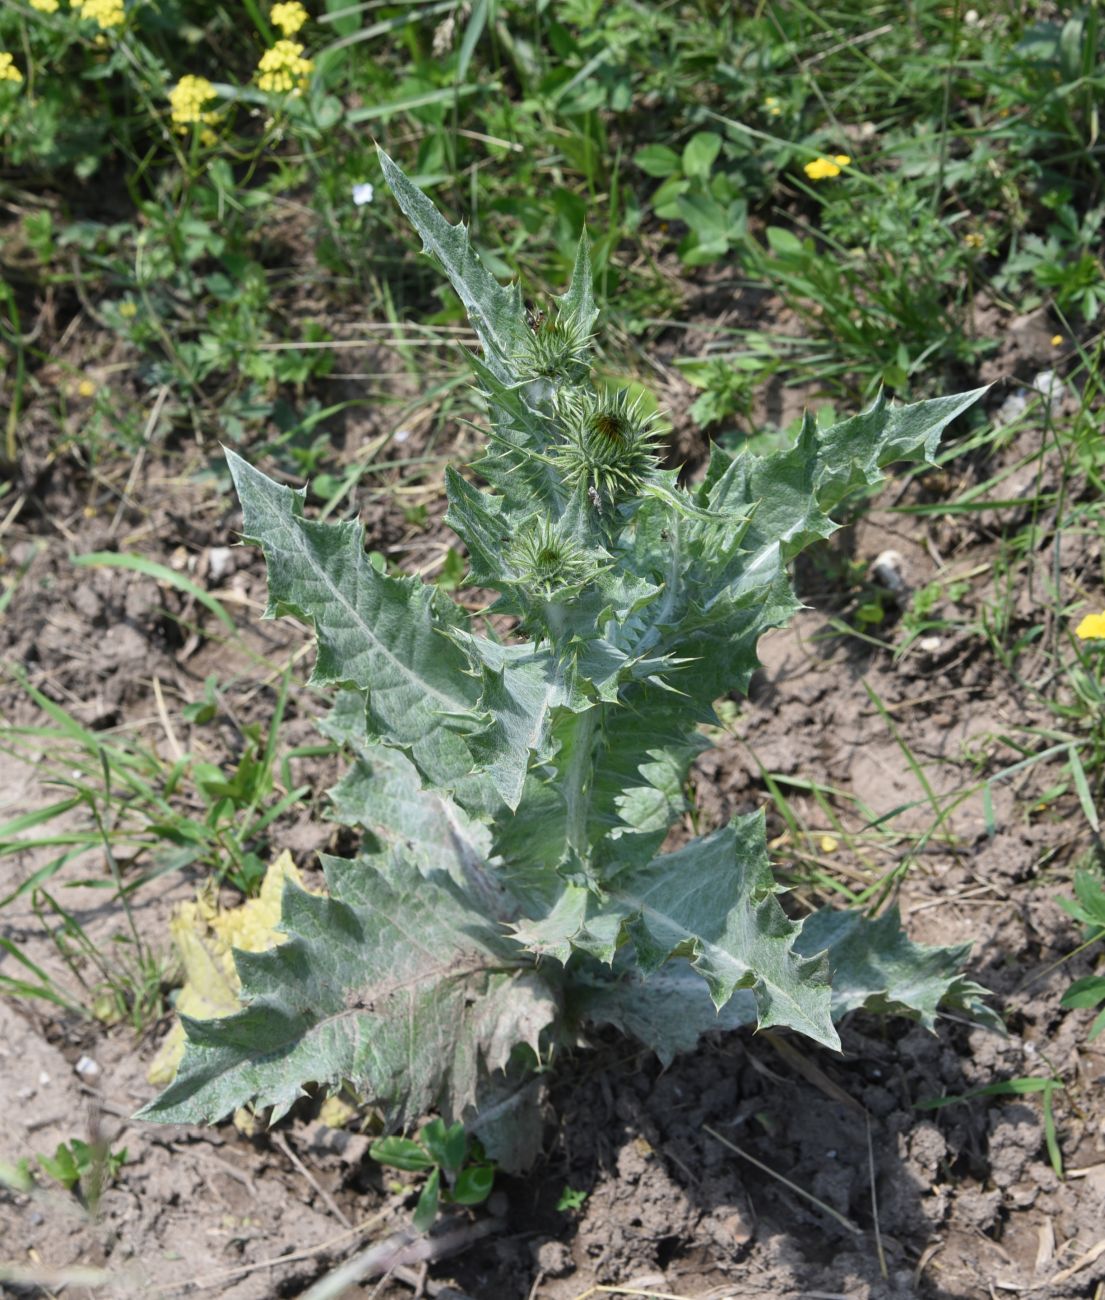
x: 395, y: 983
x: 496, y: 312
x: 578, y: 304
x: 382, y: 793
x: 712, y: 901
x: 383, y: 635
x: 669, y: 1010
x: 875, y: 965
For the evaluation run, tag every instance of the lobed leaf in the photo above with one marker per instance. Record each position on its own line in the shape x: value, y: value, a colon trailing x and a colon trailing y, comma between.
x: 380, y: 634
x: 396, y: 984
x: 873, y: 964
x: 712, y: 901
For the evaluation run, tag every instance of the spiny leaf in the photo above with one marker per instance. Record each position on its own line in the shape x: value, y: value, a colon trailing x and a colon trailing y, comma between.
x: 496, y: 312
x: 714, y: 902
x: 381, y: 634
x: 395, y: 983
x: 876, y: 966
x: 381, y: 792
x: 639, y: 753
x: 873, y: 964
x: 578, y: 304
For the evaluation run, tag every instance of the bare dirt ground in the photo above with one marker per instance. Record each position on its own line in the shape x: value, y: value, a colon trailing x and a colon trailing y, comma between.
x: 756, y: 1167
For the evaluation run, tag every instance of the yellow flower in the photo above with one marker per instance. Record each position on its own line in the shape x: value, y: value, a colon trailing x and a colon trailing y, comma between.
x: 822, y: 169
x: 1057, y: 340
x: 828, y: 844
x: 289, y: 16
x: 128, y: 310
x: 1092, y: 628
x: 8, y: 70
x: 283, y: 68
x: 186, y: 102
x: 86, y: 388
x: 105, y: 13
x: 45, y: 6
x: 772, y: 107
x: 974, y: 240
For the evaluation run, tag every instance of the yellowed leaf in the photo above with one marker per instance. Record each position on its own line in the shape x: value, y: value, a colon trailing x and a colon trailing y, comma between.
x: 205, y: 937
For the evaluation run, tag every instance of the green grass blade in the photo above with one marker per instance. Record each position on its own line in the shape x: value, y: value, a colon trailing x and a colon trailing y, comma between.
x: 1085, y: 798
x: 160, y: 572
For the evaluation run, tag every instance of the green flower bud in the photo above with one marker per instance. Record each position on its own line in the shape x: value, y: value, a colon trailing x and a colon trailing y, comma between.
x: 555, y: 349
x: 609, y: 447
x: 547, y: 564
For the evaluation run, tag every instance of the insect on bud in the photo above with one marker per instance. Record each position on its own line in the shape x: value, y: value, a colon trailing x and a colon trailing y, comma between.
x: 556, y: 348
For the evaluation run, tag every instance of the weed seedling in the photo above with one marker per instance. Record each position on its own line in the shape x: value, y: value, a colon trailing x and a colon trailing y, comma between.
x: 457, y: 1176
x: 84, y: 1167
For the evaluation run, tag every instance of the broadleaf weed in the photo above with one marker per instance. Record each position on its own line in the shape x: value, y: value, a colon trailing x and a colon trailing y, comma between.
x: 518, y: 789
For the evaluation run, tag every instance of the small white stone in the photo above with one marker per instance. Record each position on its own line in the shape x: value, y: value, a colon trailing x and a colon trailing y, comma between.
x: 43, y: 1078
x: 830, y: 1155
x: 87, y: 1068
x: 930, y: 644
x: 1011, y: 409
x: 887, y: 570
x: 1050, y: 387
x: 401, y: 435
x: 218, y: 561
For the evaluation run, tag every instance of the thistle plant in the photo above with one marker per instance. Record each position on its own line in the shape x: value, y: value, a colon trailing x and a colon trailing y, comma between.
x: 516, y: 793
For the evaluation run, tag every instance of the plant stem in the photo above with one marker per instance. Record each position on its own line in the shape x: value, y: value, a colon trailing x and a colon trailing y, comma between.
x: 577, y: 784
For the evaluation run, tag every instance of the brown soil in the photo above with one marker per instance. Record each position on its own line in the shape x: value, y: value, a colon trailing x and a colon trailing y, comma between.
x: 756, y: 1167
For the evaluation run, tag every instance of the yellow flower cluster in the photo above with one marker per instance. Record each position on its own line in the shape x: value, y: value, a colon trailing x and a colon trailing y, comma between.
x: 8, y: 70
x: 974, y: 240
x: 823, y: 169
x: 288, y: 16
x: 772, y: 107
x: 1092, y: 628
x: 105, y: 13
x: 283, y: 68
x: 186, y: 106
x: 45, y: 6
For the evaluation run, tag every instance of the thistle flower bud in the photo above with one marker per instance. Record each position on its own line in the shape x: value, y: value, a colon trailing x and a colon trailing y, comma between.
x: 556, y: 348
x: 609, y: 446
x: 547, y: 564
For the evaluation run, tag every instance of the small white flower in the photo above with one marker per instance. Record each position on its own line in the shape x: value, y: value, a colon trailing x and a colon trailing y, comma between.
x: 363, y: 193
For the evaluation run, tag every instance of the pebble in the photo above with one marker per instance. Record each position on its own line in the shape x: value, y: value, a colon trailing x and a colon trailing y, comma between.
x: 554, y: 1259
x: 218, y: 562
x: 87, y: 1068
x: 887, y: 571
x: 1045, y: 384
